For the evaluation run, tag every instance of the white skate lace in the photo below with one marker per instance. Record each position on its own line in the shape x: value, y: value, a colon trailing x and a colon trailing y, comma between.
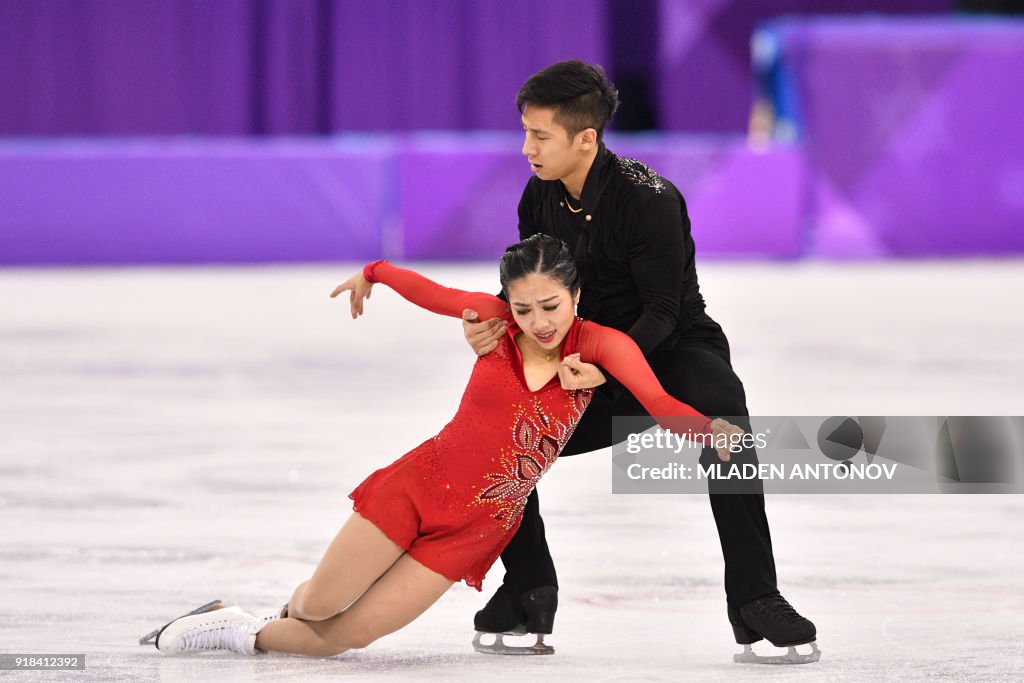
x: 223, y: 634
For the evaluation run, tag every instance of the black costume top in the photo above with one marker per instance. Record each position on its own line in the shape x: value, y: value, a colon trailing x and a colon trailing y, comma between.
x: 632, y: 244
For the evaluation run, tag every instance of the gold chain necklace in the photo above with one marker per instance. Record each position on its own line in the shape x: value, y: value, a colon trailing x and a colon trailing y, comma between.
x: 569, y: 206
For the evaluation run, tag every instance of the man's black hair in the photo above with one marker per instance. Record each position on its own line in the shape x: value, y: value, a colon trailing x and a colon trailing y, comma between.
x: 580, y: 93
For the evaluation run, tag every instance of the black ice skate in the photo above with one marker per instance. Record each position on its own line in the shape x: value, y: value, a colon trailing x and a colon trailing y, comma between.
x: 151, y: 636
x: 505, y: 614
x: 774, y: 619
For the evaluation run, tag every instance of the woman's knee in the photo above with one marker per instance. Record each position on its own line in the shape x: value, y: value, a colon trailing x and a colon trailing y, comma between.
x: 311, y: 607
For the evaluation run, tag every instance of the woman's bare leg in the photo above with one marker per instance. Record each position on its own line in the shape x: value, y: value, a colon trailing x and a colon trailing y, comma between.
x: 405, y: 591
x: 359, y: 555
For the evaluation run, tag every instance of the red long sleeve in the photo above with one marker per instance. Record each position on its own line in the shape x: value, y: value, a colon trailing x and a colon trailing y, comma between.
x: 619, y: 354
x: 428, y: 294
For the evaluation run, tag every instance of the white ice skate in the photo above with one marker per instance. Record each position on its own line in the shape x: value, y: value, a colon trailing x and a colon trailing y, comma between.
x: 748, y: 656
x: 230, y: 628
x: 151, y: 636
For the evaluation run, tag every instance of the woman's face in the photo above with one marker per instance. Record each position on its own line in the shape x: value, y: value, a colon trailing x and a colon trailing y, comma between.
x: 543, y: 308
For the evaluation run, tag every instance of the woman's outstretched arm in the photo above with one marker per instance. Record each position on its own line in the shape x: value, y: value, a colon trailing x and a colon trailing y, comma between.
x: 419, y: 290
x: 619, y: 354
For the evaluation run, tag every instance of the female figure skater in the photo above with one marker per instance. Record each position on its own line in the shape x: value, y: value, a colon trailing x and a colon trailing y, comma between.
x: 444, y: 511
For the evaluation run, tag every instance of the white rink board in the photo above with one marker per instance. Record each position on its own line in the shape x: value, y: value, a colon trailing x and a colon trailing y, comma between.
x: 170, y: 436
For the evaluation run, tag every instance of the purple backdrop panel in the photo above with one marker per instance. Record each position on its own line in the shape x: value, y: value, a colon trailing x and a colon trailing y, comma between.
x: 182, y: 202
x: 153, y: 67
x: 703, y: 72
x: 459, y: 194
x: 411, y: 65
x: 289, y: 71
x: 146, y: 67
x: 912, y: 134
x: 510, y: 41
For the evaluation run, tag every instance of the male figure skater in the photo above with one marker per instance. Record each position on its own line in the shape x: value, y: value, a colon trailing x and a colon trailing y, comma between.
x: 630, y: 235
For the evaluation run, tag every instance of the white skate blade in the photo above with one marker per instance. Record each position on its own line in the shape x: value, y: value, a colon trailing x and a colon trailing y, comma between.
x: 498, y: 647
x: 748, y: 656
x: 151, y: 636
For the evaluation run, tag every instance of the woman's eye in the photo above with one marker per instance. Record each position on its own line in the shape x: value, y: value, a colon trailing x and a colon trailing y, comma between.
x: 550, y: 308
x: 522, y: 312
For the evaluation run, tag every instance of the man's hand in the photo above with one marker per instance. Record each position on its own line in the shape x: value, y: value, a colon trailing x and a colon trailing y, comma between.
x: 575, y: 374
x: 482, y: 336
x: 359, y: 287
x: 725, y: 433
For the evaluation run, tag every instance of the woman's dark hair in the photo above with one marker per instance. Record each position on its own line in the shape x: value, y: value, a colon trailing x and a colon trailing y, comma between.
x: 543, y: 255
x: 580, y: 93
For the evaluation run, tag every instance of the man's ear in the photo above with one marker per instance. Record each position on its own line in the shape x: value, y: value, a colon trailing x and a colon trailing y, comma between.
x: 588, y: 139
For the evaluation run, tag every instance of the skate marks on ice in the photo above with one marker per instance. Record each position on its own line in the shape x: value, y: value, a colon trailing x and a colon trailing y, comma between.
x: 175, y: 435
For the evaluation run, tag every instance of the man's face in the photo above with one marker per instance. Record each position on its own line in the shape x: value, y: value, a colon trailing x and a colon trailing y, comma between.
x: 548, y: 148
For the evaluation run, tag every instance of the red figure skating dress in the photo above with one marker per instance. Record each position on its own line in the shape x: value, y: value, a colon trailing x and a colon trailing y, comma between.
x: 455, y: 501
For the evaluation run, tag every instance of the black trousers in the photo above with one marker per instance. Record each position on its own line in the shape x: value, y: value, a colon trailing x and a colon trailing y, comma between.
x: 696, y: 370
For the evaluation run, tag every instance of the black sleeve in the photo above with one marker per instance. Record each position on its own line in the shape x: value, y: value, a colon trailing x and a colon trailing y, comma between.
x: 657, y: 259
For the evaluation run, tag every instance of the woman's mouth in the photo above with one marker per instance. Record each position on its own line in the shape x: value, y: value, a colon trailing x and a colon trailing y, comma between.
x: 546, y: 338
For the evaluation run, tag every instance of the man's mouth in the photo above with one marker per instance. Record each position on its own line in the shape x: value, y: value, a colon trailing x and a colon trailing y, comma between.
x: 534, y: 166
x: 546, y: 338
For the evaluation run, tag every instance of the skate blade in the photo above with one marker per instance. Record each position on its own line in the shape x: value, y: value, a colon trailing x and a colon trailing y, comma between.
x: 151, y: 636
x: 500, y: 648
x: 748, y: 656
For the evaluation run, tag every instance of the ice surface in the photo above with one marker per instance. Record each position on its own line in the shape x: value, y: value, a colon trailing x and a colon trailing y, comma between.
x: 169, y: 436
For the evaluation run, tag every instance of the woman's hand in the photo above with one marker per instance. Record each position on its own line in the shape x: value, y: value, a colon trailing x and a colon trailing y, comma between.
x: 359, y: 287
x: 575, y: 374
x: 724, y: 434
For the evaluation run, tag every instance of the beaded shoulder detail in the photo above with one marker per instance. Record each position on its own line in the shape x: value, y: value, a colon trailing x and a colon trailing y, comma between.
x: 640, y: 173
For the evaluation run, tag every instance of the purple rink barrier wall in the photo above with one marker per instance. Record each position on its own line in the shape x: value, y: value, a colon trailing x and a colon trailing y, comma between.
x: 425, y: 196
x: 193, y: 201
x: 912, y: 131
x: 742, y: 202
x: 459, y: 195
